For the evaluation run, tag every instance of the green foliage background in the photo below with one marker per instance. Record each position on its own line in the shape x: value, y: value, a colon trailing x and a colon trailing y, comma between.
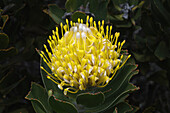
x: 26, y: 24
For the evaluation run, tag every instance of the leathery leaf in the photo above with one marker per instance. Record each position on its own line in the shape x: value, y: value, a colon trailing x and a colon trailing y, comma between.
x: 90, y: 99
x: 39, y: 99
x: 61, y: 106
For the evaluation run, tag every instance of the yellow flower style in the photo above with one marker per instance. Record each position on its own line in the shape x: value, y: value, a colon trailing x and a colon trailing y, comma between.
x: 85, y: 56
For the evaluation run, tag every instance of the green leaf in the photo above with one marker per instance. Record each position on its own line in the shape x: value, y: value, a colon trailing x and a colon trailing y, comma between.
x: 61, y: 106
x: 149, y: 109
x: 115, y: 111
x: 9, y: 88
x: 72, y: 5
x: 59, y: 95
x: 4, y: 40
x: 113, y: 99
x: 1, y: 109
x: 115, y: 94
x: 78, y: 14
x: 38, y: 107
x: 56, y: 13
x: 4, y: 19
x: 137, y: 14
x: 22, y: 110
x: 48, y: 84
x: 162, y: 51
x: 125, y: 25
x: 123, y: 107
x: 160, y: 77
x: 141, y: 57
x: 39, y: 99
x: 90, y: 99
x: 118, y: 2
x: 135, y: 109
x: 112, y: 108
x: 161, y: 11
x: 4, y: 53
x: 122, y: 76
x: 99, y: 8
x: 115, y: 18
x: 134, y: 2
x: 122, y: 93
x: 148, y: 25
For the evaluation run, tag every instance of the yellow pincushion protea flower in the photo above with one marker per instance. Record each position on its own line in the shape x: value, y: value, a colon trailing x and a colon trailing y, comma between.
x: 85, y: 56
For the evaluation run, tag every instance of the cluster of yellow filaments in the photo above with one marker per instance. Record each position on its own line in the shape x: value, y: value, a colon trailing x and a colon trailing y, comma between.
x: 85, y: 56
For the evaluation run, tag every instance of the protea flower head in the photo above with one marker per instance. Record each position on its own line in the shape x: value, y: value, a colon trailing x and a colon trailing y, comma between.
x: 84, y: 56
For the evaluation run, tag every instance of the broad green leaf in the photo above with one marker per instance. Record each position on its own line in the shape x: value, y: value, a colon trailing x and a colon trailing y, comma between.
x: 121, y: 77
x: 117, y: 96
x: 59, y: 95
x: 99, y: 8
x: 78, y: 14
x: 122, y: 99
x: 112, y: 108
x: 39, y: 99
x: 123, y: 107
x: 56, y: 13
x: 4, y: 40
x: 90, y: 99
x: 123, y: 93
x: 162, y: 51
x: 73, y: 5
x: 38, y: 107
x: 61, y: 106
x: 112, y: 100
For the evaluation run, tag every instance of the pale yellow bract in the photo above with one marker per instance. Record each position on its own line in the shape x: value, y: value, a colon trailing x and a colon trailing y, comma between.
x: 85, y: 56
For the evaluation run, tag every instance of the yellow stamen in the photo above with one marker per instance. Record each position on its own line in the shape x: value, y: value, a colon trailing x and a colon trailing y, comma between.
x: 61, y: 24
x: 85, y: 56
x: 87, y: 21
x: 91, y: 21
x: 67, y: 24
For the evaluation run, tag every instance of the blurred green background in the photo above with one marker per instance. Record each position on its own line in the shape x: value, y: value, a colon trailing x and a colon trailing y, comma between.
x: 26, y: 24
